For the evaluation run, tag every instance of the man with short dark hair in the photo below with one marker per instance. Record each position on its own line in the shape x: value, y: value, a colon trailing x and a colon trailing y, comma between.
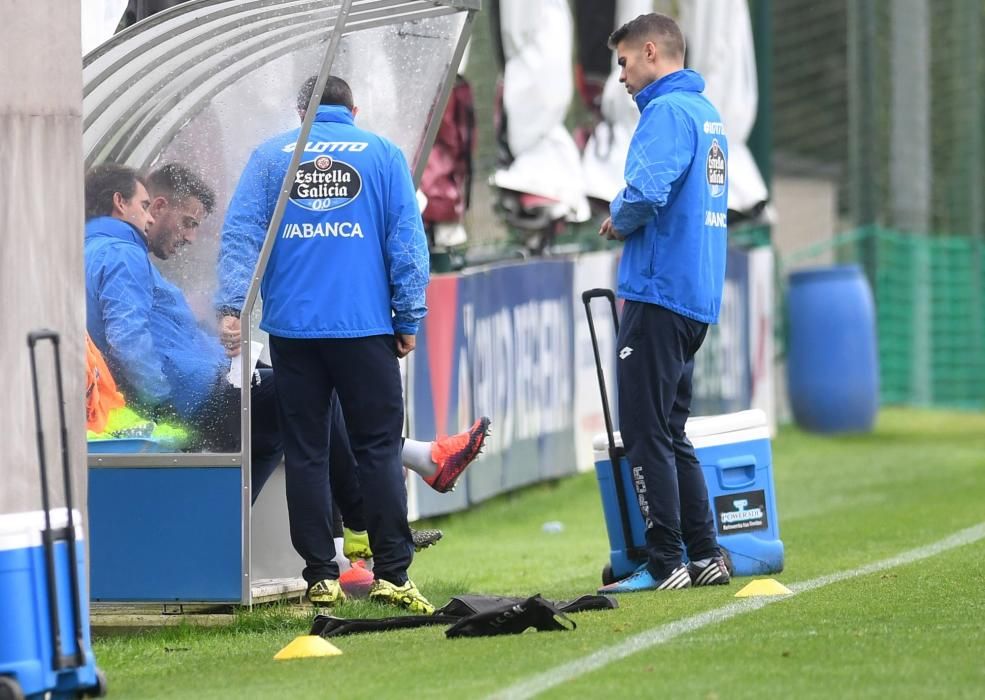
x: 336, y: 92
x: 116, y: 190
x: 671, y: 215
x: 343, y: 294
x: 180, y: 200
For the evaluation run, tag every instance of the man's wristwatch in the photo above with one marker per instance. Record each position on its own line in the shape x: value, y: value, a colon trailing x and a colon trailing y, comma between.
x: 228, y: 311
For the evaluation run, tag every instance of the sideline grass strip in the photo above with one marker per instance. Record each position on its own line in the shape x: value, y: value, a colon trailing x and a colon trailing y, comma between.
x: 843, y: 502
x: 535, y: 685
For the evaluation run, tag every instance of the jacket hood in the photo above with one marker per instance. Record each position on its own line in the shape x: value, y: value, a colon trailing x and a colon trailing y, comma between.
x: 685, y: 80
x: 111, y: 227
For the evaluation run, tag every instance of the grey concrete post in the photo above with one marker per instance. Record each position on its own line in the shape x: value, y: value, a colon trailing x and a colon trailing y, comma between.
x: 41, y: 220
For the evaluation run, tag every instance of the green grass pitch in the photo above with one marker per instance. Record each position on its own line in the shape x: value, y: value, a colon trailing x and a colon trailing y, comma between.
x: 916, y: 630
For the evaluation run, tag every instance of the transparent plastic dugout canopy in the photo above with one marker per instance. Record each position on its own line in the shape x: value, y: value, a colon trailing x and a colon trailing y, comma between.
x: 203, y: 84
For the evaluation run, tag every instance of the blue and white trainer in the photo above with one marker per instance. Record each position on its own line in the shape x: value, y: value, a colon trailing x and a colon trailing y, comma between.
x: 642, y: 580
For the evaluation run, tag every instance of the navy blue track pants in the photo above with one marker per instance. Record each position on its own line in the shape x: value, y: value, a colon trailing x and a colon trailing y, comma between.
x: 655, y: 365
x: 366, y: 376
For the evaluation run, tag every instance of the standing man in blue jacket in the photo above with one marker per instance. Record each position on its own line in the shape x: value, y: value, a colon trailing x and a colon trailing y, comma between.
x: 672, y: 216
x: 343, y: 295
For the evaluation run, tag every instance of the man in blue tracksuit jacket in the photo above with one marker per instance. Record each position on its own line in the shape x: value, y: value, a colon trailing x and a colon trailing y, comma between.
x: 165, y: 363
x: 672, y: 217
x: 343, y: 294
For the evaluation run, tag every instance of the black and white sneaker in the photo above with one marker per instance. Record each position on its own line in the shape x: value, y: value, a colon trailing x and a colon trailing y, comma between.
x: 713, y: 573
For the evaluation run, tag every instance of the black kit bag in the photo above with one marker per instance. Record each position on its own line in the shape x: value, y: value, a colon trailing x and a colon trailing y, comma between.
x: 512, y: 618
x: 474, y: 616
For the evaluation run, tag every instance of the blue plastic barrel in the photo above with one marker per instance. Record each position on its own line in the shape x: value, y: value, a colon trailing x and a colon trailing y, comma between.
x: 832, y: 355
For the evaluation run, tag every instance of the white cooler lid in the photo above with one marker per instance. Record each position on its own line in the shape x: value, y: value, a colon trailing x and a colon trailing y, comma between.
x: 708, y: 431
x: 22, y: 530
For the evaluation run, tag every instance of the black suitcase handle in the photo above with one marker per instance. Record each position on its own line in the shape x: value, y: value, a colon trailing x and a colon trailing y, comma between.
x: 615, y: 453
x: 48, y: 536
x: 586, y: 298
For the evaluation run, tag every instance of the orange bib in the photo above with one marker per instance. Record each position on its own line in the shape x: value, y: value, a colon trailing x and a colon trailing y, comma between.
x: 102, y: 396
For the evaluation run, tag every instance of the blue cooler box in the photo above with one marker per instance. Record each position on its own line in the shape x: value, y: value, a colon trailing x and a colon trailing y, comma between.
x: 735, y: 455
x: 27, y: 654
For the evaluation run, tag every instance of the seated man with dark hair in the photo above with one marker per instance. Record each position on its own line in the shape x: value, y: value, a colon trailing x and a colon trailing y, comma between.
x: 165, y: 363
x: 180, y: 200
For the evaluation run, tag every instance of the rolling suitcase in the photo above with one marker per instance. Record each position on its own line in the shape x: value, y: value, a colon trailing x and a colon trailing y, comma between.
x: 45, y: 648
x: 620, y: 492
x: 736, y: 460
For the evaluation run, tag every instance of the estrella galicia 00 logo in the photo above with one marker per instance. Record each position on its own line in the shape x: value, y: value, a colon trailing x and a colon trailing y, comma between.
x: 325, y: 183
x: 741, y: 512
x: 715, y: 169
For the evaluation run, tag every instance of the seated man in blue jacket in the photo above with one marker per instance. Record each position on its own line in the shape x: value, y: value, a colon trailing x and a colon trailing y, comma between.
x: 168, y: 366
x: 165, y: 363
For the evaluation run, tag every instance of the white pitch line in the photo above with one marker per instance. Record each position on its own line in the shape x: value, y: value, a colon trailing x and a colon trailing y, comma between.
x: 534, y: 685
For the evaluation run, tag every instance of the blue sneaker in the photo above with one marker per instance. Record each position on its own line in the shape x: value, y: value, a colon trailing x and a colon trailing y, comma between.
x: 642, y: 580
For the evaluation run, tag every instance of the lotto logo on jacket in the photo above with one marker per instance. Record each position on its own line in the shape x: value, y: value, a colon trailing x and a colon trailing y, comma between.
x: 324, y: 183
x: 351, y: 258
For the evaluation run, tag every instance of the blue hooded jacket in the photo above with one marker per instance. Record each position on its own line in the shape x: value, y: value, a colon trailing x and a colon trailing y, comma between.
x: 351, y: 258
x: 673, y: 208
x: 143, y: 325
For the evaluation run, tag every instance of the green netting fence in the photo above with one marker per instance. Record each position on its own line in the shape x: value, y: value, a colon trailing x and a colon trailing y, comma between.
x: 930, y: 311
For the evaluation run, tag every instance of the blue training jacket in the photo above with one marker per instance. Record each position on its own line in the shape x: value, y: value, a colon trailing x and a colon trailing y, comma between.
x: 351, y: 258
x: 143, y: 325
x: 673, y: 208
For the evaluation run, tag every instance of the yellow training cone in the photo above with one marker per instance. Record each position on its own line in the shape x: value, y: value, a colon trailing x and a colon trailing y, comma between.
x: 763, y: 586
x: 309, y: 645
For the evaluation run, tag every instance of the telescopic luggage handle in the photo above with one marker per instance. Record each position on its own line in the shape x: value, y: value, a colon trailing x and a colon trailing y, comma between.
x: 586, y: 298
x: 42, y: 334
x: 597, y: 293
x: 615, y: 453
x: 48, y: 537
